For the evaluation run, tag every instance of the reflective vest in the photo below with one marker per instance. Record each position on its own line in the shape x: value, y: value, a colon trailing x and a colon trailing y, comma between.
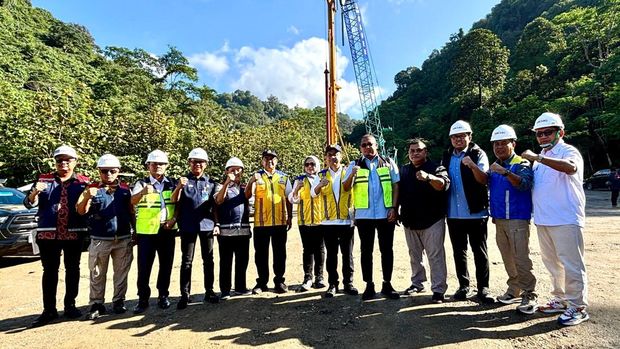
x: 148, y: 219
x: 332, y: 209
x: 270, y: 200
x: 361, y: 188
x: 508, y: 202
x: 309, y: 208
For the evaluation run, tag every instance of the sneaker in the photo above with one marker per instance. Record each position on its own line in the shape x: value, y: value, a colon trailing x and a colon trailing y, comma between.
x: 318, y: 283
x: 163, y: 302
x: 507, y: 298
x: 573, y: 316
x: 45, y: 318
x: 141, y: 307
x: 331, y: 291
x: 225, y: 295
x: 554, y: 305
x: 461, y: 294
x: 485, y: 296
x: 280, y: 288
x: 72, y: 312
x: 96, y: 311
x: 369, y: 292
x: 388, y: 291
x: 243, y: 292
x: 211, y: 297
x: 351, y: 290
x: 258, y: 289
x: 118, y: 307
x: 182, y: 304
x: 529, y: 303
x: 413, y: 289
x: 437, y: 298
x: 305, y: 286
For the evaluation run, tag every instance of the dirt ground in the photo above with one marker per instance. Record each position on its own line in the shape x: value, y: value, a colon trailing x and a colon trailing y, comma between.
x: 307, y: 320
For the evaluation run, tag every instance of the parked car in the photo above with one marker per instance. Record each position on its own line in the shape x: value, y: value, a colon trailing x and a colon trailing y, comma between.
x: 599, y: 180
x: 17, y: 224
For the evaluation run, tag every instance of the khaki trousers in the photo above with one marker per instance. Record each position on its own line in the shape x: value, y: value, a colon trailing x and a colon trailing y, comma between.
x: 99, y: 253
x: 431, y: 241
x: 513, y: 241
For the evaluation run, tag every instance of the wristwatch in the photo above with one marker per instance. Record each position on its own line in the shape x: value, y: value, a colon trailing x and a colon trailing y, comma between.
x: 540, y: 157
x: 505, y: 174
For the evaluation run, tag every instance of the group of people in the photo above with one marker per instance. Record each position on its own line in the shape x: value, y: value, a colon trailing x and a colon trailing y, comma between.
x: 371, y: 193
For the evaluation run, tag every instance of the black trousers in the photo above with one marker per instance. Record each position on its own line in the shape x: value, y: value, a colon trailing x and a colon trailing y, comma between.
x: 161, y: 244
x: 314, y: 251
x: 277, y: 236
x: 614, y: 197
x: 50, y: 251
x: 476, y: 230
x: 339, y: 236
x: 188, y: 245
x: 239, y: 247
x: 385, y: 231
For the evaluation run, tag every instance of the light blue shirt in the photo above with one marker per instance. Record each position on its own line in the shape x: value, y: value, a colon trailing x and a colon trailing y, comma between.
x: 376, y: 209
x: 457, y: 203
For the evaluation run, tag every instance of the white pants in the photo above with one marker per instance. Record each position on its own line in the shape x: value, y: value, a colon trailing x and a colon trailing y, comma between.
x: 430, y: 240
x: 562, y: 252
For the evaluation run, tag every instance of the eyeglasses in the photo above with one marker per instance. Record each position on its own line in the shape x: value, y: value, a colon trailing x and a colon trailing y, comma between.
x: 459, y: 136
x: 369, y: 144
x: 108, y: 171
x: 545, y: 133
x: 60, y: 161
x: 309, y: 164
x: 501, y: 143
x: 158, y: 163
x: 198, y: 162
x: 417, y: 150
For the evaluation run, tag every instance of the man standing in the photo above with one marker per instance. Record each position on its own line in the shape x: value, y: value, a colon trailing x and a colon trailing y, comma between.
x: 155, y: 229
x: 559, y: 214
x: 374, y: 180
x: 111, y: 221
x: 336, y: 221
x: 423, y: 186
x: 467, y: 165
x: 614, y: 185
x: 59, y: 229
x: 272, y: 220
x: 510, y: 186
x: 196, y: 220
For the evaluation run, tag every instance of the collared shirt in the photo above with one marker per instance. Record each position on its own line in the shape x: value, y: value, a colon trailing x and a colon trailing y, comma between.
x: 195, y: 204
x: 336, y: 190
x: 558, y: 197
x: 457, y: 203
x: 159, y: 188
x: 376, y: 208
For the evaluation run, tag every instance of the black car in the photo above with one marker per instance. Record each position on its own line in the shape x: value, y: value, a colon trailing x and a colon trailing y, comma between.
x: 17, y: 224
x: 599, y: 180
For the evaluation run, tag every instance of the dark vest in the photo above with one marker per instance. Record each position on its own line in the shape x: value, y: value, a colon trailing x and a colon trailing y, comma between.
x: 476, y: 194
x: 234, y: 210
x: 109, y: 216
x: 50, y: 198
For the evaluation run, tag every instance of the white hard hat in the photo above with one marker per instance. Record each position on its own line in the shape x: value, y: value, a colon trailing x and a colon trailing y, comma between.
x: 460, y: 127
x: 548, y: 120
x: 198, y: 153
x: 234, y: 161
x: 502, y: 132
x: 65, y: 150
x: 108, y: 161
x: 157, y: 156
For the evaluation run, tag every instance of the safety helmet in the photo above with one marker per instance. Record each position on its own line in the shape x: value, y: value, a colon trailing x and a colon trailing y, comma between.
x: 234, y: 161
x: 65, y: 150
x: 198, y: 153
x: 548, y: 119
x: 157, y: 156
x: 108, y: 161
x: 502, y: 132
x: 460, y: 127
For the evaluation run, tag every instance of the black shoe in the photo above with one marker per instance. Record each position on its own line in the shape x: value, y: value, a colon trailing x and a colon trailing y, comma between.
x: 331, y: 291
x: 225, y: 295
x: 141, y: 307
x: 461, y: 294
x: 369, y: 292
x: 437, y: 298
x: 118, y: 307
x: 388, y: 291
x: 182, y: 304
x: 305, y: 286
x: 413, y: 289
x: 72, y: 312
x: 211, y: 297
x: 45, y: 318
x: 243, y: 292
x: 280, y: 288
x: 258, y: 289
x: 96, y: 310
x: 318, y: 283
x: 163, y: 302
x: 485, y: 297
x: 351, y: 290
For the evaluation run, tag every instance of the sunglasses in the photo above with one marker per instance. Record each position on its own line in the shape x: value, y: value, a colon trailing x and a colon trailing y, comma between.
x: 545, y: 133
x: 108, y: 171
x: 309, y: 164
x: 365, y: 145
x: 60, y: 161
x: 158, y: 163
x: 198, y: 162
x: 417, y: 151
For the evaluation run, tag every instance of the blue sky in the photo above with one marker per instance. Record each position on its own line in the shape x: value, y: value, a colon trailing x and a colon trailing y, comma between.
x: 274, y: 47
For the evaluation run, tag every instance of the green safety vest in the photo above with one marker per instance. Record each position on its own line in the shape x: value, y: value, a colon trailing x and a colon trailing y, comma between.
x: 360, y: 187
x: 148, y: 218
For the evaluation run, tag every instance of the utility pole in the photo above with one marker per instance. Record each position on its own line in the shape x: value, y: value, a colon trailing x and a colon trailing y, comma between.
x: 330, y: 108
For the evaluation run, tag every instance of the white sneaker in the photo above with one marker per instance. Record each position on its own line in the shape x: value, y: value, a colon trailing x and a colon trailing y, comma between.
x: 507, y: 298
x: 554, y: 305
x: 529, y: 303
x: 573, y: 316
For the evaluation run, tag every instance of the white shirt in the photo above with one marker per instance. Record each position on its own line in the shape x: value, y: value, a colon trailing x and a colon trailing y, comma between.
x: 159, y: 188
x: 314, y: 181
x: 558, y: 197
x: 336, y: 178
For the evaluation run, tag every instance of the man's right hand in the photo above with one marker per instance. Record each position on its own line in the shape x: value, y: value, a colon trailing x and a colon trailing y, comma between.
x: 148, y: 189
x: 182, y: 182
x: 91, y: 192
x: 354, y: 170
x: 40, y: 186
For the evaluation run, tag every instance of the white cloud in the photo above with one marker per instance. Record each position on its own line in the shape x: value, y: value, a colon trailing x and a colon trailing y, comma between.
x: 214, y: 63
x: 293, y: 29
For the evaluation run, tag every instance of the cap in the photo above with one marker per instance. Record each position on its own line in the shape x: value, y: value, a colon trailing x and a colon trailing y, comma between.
x: 269, y: 152
x: 335, y: 147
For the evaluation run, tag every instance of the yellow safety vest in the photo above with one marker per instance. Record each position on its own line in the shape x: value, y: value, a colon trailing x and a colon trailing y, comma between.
x: 270, y: 202
x: 148, y: 218
x: 309, y: 208
x: 331, y: 209
x: 360, y: 187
